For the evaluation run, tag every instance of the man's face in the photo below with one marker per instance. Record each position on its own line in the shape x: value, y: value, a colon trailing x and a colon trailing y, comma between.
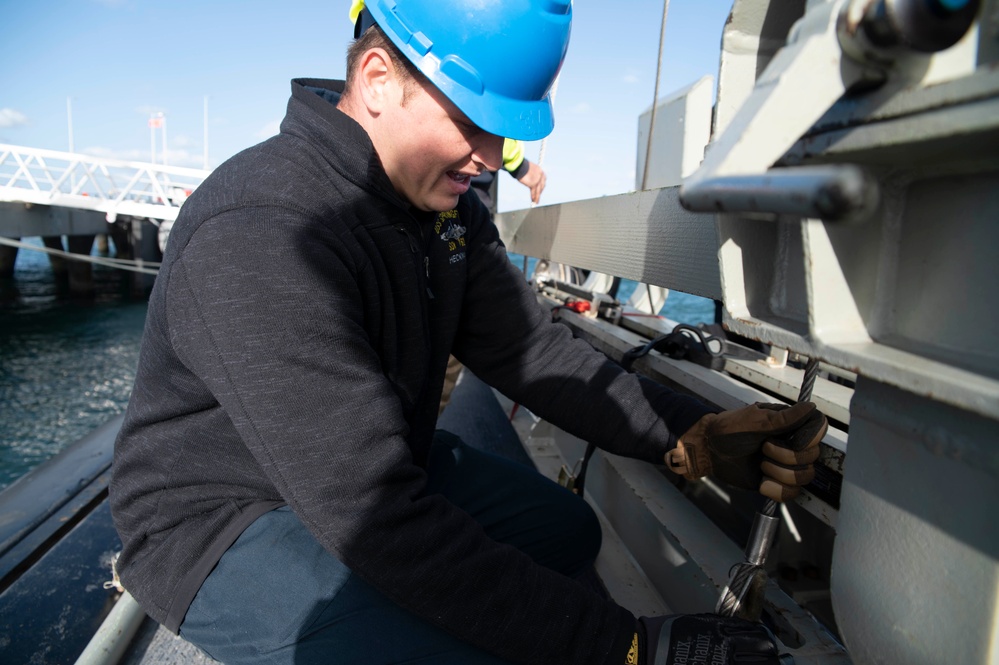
x: 430, y: 150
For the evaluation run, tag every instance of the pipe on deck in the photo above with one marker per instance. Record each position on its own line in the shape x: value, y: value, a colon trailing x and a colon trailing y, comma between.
x: 115, y: 634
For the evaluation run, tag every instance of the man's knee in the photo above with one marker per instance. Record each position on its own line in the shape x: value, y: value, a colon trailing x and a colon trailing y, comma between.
x: 583, y: 535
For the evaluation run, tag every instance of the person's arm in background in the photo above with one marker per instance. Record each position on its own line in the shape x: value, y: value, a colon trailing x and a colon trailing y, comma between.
x: 529, y: 174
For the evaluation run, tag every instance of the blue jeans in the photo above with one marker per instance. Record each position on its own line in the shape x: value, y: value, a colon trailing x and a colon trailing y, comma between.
x: 277, y: 596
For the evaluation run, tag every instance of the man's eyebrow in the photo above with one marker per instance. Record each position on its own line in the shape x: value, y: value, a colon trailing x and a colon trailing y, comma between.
x: 463, y: 121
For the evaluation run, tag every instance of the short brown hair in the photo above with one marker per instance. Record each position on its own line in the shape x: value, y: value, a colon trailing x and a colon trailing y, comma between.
x: 373, y: 37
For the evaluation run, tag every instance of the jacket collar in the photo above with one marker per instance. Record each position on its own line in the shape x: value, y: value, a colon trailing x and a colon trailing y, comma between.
x: 313, y: 117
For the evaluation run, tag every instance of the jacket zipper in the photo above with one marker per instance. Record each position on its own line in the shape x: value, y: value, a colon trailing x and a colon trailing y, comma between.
x: 416, y: 251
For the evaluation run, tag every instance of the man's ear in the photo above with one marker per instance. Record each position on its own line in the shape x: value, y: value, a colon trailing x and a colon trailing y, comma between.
x: 377, y: 81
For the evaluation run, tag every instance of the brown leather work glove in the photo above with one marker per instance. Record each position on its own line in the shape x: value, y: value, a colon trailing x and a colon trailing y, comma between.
x: 765, y: 447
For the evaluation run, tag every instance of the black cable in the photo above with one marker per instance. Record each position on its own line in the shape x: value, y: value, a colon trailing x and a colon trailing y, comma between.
x: 679, y: 349
x: 749, y: 579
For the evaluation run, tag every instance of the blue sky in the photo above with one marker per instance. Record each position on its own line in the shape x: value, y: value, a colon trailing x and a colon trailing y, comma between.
x: 118, y: 61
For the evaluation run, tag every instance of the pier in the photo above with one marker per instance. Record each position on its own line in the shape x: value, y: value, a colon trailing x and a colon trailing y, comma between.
x: 70, y: 200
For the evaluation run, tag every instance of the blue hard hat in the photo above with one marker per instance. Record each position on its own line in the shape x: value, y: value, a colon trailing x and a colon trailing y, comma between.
x: 496, y: 60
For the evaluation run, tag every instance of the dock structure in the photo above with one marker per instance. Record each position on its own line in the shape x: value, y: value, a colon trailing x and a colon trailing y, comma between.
x: 61, y: 195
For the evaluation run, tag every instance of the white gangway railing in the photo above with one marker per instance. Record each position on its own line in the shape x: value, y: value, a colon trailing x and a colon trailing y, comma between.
x: 114, y: 187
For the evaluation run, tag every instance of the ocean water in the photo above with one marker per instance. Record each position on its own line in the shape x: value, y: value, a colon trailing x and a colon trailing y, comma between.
x: 680, y: 307
x: 67, y: 365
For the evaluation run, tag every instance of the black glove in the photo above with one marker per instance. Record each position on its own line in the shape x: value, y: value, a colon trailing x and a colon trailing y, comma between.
x: 684, y: 639
x: 765, y: 447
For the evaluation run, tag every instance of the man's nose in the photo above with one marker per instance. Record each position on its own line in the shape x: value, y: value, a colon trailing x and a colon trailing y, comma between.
x: 489, y: 151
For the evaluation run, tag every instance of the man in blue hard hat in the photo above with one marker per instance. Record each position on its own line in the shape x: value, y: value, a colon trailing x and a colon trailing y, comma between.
x: 280, y: 490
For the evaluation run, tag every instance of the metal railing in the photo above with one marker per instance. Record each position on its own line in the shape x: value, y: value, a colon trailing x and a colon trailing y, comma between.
x: 114, y: 187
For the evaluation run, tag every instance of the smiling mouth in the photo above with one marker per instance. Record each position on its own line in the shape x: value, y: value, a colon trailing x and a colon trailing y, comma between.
x: 459, y: 177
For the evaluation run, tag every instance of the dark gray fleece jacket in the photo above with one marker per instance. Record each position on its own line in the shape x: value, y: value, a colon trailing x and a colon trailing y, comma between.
x: 294, y: 352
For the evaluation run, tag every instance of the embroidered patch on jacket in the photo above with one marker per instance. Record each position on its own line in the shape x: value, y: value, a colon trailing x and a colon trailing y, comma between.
x: 633, y: 651
x: 448, y: 227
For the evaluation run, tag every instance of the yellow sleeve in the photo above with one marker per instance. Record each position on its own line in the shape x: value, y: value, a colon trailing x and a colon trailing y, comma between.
x: 513, y: 154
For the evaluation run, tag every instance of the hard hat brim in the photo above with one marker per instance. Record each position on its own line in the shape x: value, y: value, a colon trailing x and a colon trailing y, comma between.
x: 498, y: 66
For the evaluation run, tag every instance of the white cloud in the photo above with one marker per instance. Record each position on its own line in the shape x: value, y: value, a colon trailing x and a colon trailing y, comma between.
x: 12, y: 118
x: 175, y: 157
x: 581, y: 108
x: 630, y: 78
x: 150, y: 111
x: 124, y: 155
x: 183, y: 158
x: 272, y: 128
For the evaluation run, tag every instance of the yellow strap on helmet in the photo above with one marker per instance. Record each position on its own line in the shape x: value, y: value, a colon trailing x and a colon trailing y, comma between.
x: 355, y: 10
